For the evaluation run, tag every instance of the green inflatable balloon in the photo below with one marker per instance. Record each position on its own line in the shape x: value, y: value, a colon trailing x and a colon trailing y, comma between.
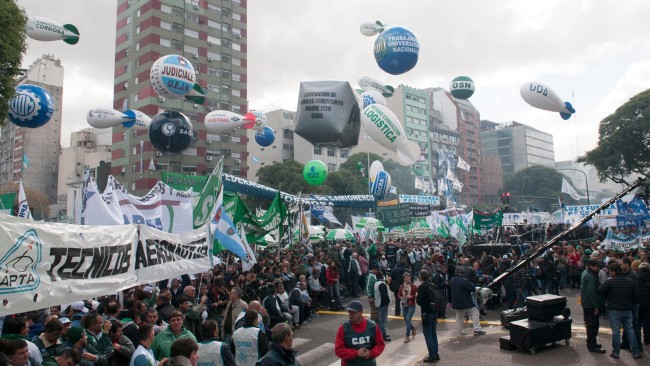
x: 315, y: 172
x: 462, y: 87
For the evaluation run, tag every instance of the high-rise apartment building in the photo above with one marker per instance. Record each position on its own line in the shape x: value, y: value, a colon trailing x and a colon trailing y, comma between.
x: 519, y: 146
x: 461, y: 117
x: 212, y: 35
x: 33, y: 153
x: 282, y: 122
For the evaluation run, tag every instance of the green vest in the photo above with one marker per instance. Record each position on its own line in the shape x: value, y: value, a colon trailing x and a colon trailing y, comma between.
x: 358, y: 340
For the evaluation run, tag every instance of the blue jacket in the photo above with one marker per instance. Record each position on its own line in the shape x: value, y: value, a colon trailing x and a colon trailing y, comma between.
x: 461, y: 293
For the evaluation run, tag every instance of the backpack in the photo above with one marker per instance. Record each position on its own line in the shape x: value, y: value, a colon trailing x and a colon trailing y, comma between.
x: 436, y: 299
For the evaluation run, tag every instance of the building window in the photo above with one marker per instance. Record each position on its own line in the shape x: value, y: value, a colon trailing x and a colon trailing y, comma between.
x: 330, y: 151
x: 166, y: 25
x: 236, y: 139
x: 191, y: 50
x: 331, y: 167
x: 188, y: 168
x: 191, y: 16
x: 213, y: 24
x: 165, y: 8
x: 165, y: 42
x: 214, y: 9
x: 317, y: 150
x: 345, y: 154
x: 213, y: 72
x: 191, y: 33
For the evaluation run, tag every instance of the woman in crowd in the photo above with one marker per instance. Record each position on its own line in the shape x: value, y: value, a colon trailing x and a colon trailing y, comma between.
x: 333, y: 290
x: 407, y: 294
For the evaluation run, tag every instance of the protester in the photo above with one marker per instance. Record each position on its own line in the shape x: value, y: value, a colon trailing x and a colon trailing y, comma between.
x: 212, y: 352
x: 462, y: 302
x: 185, y: 347
x: 407, y: 296
x: 164, y: 340
x: 382, y: 301
x: 69, y: 357
x: 249, y: 343
x: 620, y: 293
x: 16, y: 351
x: 49, y: 342
x: 281, y: 353
x: 429, y: 310
x: 143, y: 355
x: 592, y: 302
x: 358, y: 340
x: 122, y: 345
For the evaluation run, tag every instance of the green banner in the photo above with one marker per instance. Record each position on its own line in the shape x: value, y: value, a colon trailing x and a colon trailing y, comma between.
x: 487, y: 220
x: 395, y: 215
x: 256, y: 227
x: 7, y: 202
x: 184, y: 182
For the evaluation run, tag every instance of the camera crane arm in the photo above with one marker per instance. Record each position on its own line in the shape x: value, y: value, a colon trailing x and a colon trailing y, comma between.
x: 557, y: 237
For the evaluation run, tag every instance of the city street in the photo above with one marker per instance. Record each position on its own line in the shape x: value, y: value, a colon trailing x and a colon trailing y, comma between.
x: 315, y: 341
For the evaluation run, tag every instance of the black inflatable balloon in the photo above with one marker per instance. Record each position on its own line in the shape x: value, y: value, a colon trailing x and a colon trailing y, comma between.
x: 170, y: 131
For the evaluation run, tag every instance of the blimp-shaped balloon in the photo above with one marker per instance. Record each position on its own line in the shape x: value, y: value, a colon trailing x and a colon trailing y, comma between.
x: 260, y: 120
x: 370, y: 83
x: 43, y: 29
x: 371, y: 97
x: 408, y: 153
x: 32, y: 106
x: 541, y: 96
x: 382, y: 126
x: 462, y: 87
x: 139, y: 119
x: 170, y: 131
x: 265, y: 137
x: 224, y: 121
x: 396, y: 50
x: 381, y: 185
x: 371, y: 27
x: 172, y: 76
x: 107, y: 118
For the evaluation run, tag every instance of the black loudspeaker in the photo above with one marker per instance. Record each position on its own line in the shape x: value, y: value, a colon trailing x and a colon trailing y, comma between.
x: 531, y: 334
x: 544, y: 307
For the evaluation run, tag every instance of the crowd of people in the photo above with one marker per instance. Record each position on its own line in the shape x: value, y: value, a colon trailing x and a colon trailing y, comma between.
x: 230, y: 317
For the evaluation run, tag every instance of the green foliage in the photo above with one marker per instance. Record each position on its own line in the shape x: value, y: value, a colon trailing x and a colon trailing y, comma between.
x: 542, y: 183
x: 12, y: 48
x: 623, y: 142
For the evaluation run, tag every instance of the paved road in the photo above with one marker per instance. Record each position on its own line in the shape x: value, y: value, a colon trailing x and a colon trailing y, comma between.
x: 315, y: 341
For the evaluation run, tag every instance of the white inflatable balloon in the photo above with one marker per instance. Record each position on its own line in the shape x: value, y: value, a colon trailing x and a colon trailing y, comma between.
x: 172, y: 76
x: 375, y: 168
x: 370, y: 83
x: 408, y: 153
x: 371, y: 27
x: 383, y: 126
x: 541, y: 96
x: 106, y: 118
x: 43, y: 29
x: 141, y: 120
x: 372, y: 96
x: 223, y: 121
x: 260, y: 120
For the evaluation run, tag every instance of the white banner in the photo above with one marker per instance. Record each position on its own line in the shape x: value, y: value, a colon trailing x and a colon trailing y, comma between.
x: 572, y: 214
x: 462, y: 164
x: 422, y: 200
x: 163, y: 208
x: 45, y: 264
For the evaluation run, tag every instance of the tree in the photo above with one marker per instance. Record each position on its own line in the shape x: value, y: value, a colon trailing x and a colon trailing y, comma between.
x: 623, y: 142
x: 543, y: 184
x: 12, y: 48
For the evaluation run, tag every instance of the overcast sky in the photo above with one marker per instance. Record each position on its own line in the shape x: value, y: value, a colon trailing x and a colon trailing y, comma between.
x: 595, y: 54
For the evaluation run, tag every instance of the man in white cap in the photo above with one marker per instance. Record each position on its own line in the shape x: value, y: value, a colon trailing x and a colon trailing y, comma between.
x: 149, y: 297
x: 80, y: 309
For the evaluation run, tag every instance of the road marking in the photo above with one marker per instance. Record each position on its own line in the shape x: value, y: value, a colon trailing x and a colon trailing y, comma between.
x: 574, y: 328
x: 317, y: 353
x: 297, y: 342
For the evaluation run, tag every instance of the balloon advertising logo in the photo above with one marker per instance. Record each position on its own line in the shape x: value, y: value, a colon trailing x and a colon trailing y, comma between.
x: 315, y: 172
x: 32, y: 106
x: 396, y: 50
x: 462, y: 87
x: 170, y: 131
x: 172, y: 76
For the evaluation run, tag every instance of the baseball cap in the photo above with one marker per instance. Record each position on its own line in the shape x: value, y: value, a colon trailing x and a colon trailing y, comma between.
x: 148, y: 289
x: 355, y: 305
x: 588, y: 251
x: 79, y: 306
x: 64, y: 320
x: 75, y: 334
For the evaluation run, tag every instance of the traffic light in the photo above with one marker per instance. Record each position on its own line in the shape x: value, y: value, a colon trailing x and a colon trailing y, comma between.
x: 507, y: 197
x: 503, y: 198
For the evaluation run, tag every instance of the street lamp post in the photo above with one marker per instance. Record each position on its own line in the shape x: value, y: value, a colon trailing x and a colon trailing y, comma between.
x: 586, y: 180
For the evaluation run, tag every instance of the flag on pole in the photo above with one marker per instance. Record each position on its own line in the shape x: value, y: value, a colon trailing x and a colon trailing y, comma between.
x: 23, y: 207
x: 249, y: 260
x: 226, y: 235
x: 462, y: 164
x: 568, y: 189
x: 305, y: 226
x: 152, y: 165
x: 420, y: 184
x: 25, y: 162
x: 393, y: 190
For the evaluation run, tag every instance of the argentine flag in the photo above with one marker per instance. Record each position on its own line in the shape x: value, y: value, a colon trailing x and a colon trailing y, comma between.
x: 224, y: 231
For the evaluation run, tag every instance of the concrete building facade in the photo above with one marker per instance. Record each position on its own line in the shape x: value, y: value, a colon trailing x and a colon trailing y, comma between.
x: 519, y: 146
x: 33, y: 153
x: 212, y: 35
